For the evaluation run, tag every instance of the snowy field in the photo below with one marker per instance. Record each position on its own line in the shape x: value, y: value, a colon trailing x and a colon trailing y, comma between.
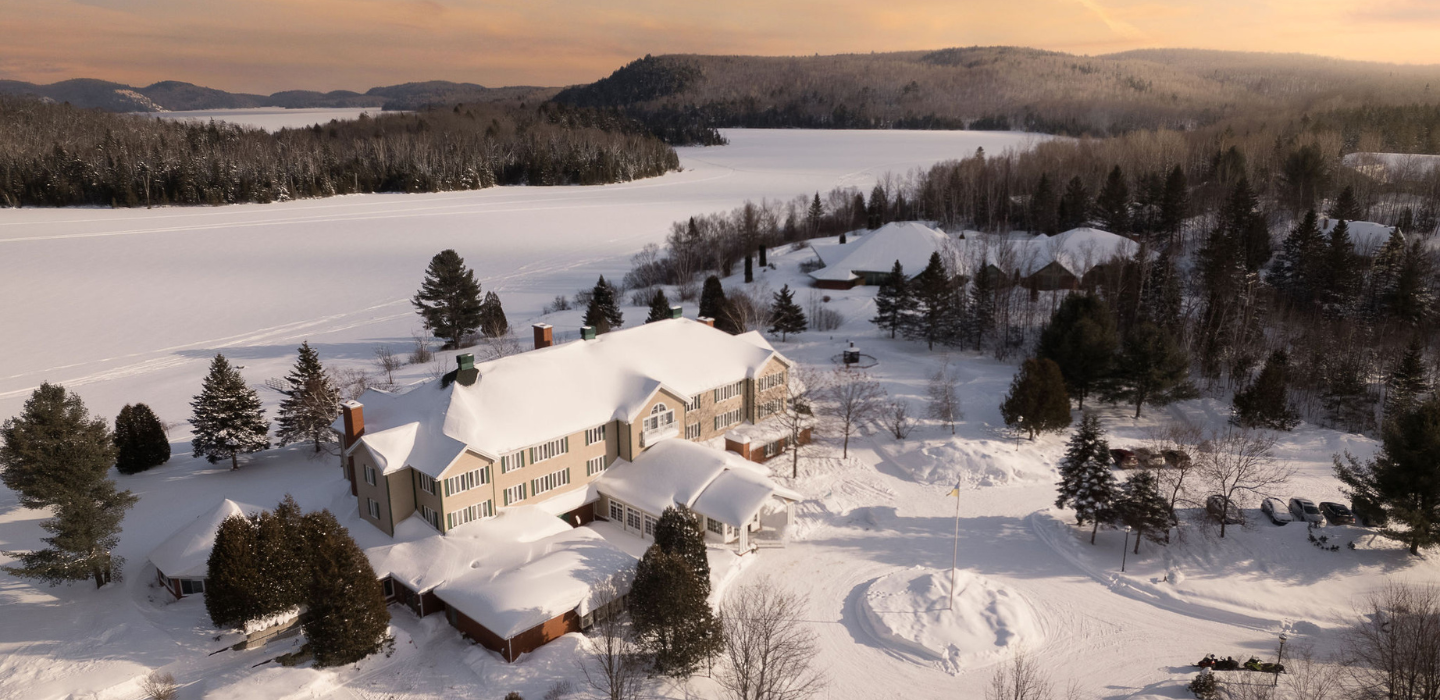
x: 128, y: 306
x: 271, y: 118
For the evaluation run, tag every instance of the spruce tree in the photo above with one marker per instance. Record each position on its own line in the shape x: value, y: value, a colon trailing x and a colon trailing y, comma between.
x: 1141, y: 507
x: 1086, y: 482
x: 235, y: 584
x: 1174, y: 204
x: 348, y: 618
x: 84, y: 529
x: 1403, y: 480
x: 671, y: 614
x: 1342, y: 276
x: 1345, y: 396
x: 492, y: 317
x: 1265, y: 403
x: 140, y: 440
x: 1407, y: 382
x: 659, y: 307
x: 1074, y: 208
x: 1163, y: 303
x: 603, y: 314
x: 1042, y: 207
x: 894, y: 302
x: 1151, y: 368
x: 981, y: 306
x: 281, y: 561
x: 877, y: 212
x: 1346, y: 207
x: 814, y: 214
x: 311, y: 402
x: 1081, y: 339
x: 786, y: 316
x: 1037, y: 402
x: 449, y: 299
x: 680, y: 532
x: 229, y: 420
x: 934, y: 303
x: 712, y: 301
x: 54, y: 449
x: 1112, y: 206
x: 1298, y: 270
x: 749, y: 270
x: 760, y: 254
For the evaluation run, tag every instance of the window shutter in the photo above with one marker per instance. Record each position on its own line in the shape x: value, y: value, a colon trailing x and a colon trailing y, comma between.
x: 447, y: 487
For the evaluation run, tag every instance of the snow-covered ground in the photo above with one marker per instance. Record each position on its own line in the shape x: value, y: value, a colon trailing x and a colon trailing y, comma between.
x: 271, y: 118
x: 127, y: 306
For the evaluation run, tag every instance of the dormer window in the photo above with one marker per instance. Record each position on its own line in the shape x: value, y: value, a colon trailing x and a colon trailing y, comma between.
x: 661, y: 417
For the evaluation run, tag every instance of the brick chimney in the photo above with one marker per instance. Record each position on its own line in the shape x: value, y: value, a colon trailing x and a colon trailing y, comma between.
x: 354, y: 413
x: 738, y: 444
x: 544, y: 335
x: 706, y: 320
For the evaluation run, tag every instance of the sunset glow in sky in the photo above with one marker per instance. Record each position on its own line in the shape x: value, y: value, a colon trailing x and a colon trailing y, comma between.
x: 268, y: 45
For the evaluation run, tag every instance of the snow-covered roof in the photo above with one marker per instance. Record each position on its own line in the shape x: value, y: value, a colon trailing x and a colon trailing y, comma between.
x: 1366, y: 236
x: 525, y: 399
x: 421, y: 558
x: 1078, y: 250
x: 186, y: 554
x: 721, y: 485
x: 559, y: 578
x: 910, y: 242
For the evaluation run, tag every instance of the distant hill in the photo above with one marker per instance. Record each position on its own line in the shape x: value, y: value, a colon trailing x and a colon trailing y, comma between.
x: 175, y: 96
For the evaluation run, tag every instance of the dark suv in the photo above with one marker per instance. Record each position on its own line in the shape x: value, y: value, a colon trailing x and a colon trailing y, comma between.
x: 1215, y: 506
x: 1337, y: 513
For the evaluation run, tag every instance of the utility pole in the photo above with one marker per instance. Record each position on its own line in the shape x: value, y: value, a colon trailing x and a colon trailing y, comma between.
x: 955, y: 555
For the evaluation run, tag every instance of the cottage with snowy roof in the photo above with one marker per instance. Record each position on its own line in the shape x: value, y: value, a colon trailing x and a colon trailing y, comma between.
x: 869, y: 259
x: 182, y: 561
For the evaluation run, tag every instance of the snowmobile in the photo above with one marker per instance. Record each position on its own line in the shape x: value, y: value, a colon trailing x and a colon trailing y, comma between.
x: 1255, y: 664
x: 1225, y: 664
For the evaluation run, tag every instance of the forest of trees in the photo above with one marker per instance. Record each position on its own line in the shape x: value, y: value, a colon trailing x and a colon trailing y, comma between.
x: 58, y: 155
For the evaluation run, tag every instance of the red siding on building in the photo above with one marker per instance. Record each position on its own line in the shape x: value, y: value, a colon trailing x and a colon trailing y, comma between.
x: 525, y: 642
x: 837, y: 284
x: 173, y: 585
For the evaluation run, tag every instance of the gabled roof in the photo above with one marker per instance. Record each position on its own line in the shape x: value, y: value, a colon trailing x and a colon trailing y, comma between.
x: 186, y: 554
x: 1078, y: 250
x: 721, y: 485
x: 525, y: 399
x: 910, y: 242
x: 1367, y: 236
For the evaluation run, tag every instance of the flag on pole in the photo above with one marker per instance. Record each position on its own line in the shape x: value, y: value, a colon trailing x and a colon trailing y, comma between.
x: 955, y: 491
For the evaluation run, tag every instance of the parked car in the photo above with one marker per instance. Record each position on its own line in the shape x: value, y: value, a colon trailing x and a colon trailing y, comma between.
x: 1305, y: 511
x: 1337, y: 513
x: 1176, y: 458
x: 1124, y: 459
x: 1217, y: 508
x: 1275, y: 509
x: 1369, y: 514
x: 1148, y: 459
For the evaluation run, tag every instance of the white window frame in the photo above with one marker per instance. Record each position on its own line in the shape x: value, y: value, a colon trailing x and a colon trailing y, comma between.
x: 595, y: 465
x: 370, y: 475
x: 770, y: 381
x: 767, y: 409
x: 372, y: 506
x: 727, y: 419
x: 694, y: 403
x: 661, y: 417
x: 692, y: 431
x: 512, y: 461
x: 715, y: 526
x: 470, y: 513
x: 473, y: 479
x: 427, y: 484
x: 549, y: 450
x: 550, y: 482
x: 430, y: 516
x: 772, y: 449
x: 595, y: 434
x: 730, y: 391
x: 514, y: 494
x: 617, y: 511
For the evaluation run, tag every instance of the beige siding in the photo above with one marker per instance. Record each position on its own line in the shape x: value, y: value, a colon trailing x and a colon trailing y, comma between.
x: 777, y: 393
x: 444, y: 504
x: 709, y: 409
x: 636, y: 428
x: 574, y: 460
x: 380, y: 492
x: 401, y: 485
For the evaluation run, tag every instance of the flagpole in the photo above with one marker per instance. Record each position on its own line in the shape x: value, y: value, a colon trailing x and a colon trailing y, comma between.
x: 955, y: 555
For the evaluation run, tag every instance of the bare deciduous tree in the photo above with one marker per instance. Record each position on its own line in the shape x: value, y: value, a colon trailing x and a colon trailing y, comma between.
x: 1020, y: 678
x: 421, y: 352
x: 944, y: 396
x: 160, y: 686
x: 388, y: 362
x: 898, y: 419
x: 798, y: 413
x: 352, y: 381
x: 1394, y: 649
x: 855, y: 399
x: 1236, y: 461
x: 614, y: 663
x: 1177, y: 440
x: 748, y: 308
x: 768, y: 650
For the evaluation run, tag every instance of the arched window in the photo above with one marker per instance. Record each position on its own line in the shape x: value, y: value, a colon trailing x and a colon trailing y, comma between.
x: 659, y: 408
x: 661, y: 418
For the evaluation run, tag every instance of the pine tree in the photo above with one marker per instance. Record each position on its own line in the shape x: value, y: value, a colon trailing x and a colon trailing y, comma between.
x: 1140, y: 507
x: 1042, y: 207
x: 1037, y: 402
x: 679, y: 532
x: 659, y: 307
x: 1112, y: 206
x: 712, y: 299
x: 229, y: 420
x: 786, y: 316
x: 1074, y: 208
x: 84, y: 530
x: 492, y: 317
x: 934, y: 302
x: 1266, y: 402
x: 311, y: 402
x: 1081, y: 339
x: 1342, y: 276
x: 1345, y: 396
x: 234, y: 587
x: 281, y: 560
x: 670, y: 613
x: 603, y: 314
x: 877, y: 212
x: 449, y: 299
x: 749, y: 270
x: 894, y: 302
x: 1407, y: 382
x: 1164, y: 300
x: 1151, y: 368
x: 1086, y: 482
x: 1346, y: 207
x: 1297, y: 272
x: 981, y: 306
x: 1403, y: 480
x: 348, y: 618
x: 53, y: 449
x: 1174, y: 204
x: 140, y: 440
x: 814, y: 214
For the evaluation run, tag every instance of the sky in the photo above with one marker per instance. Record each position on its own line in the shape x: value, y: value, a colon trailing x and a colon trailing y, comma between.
x: 264, y: 46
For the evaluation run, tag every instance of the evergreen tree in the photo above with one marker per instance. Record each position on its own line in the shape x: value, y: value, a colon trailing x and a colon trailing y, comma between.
x: 760, y: 255
x: 877, y: 212
x: 53, y: 449
x: 713, y: 304
x: 1407, y: 382
x: 1074, y: 208
x: 311, y: 402
x: 980, y: 321
x: 1086, y: 482
x: 1174, y: 204
x: 1403, y: 480
x: 1112, y: 206
x: 1141, y: 508
x: 1346, y: 397
x: 281, y: 559
x: 894, y: 302
x: 815, y: 213
x: 659, y: 307
x: 1042, y: 207
x: 1266, y: 402
x: 1080, y: 338
x: 492, y: 317
x: 229, y: 420
x: 1151, y: 368
x: 1346, y: 207
x: 1037, y: 402
x: 934, y: 302
x: 1298, y: 271
x: 1342, y: 276
x: 786, y: 316
x: 670, y: 613
x: 348, y: 618
x: 749, y: 271
x: 679, y: 532
x: 603, y: 314
x: 234, y: 587
x: 449, y: 299
x: 83, y: 531
x: 140, y: 441
x: 1163, y: 302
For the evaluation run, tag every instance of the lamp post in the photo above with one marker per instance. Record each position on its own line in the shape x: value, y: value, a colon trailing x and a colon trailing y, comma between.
x: 1124, y: 551
x: 1279, y: 658
x: 955, y: 554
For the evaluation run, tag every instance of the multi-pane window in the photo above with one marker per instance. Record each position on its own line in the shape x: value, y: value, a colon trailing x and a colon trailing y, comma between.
x: 694, y: 403
x: 617, y: 511
x: 370, y: 475
x: 430, y: 516
x: 549, y: 482
x: 649, y: 525
x: 192, y: 586
x: 715, y: 526
x: 660, y: 418
x: 511, y: 462
x: 727, y: 419
x: 373, y: 507
x: 594, y: 465
x: 461, y: 483
x: 767, y: 409
x: 692, y: 431
x: 772, y: 449
x: 554, y: 448
x: 427, y: 484
x: 595, y: 434
x: 730, y: 391
x: 515, y: 494
x: 632, y: 518
x: 770, y: 381
x: 468, y: 514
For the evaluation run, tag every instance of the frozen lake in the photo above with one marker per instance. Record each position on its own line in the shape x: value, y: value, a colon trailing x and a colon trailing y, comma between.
x: 128, y: 305
x: 271, y: 118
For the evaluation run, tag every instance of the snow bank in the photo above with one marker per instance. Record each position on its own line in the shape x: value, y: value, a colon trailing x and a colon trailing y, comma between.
x: 911, y: 611
x: 974, y: 463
